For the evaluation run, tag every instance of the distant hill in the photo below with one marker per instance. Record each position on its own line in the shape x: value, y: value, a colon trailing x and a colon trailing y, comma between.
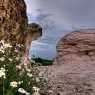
x: 42, y: 61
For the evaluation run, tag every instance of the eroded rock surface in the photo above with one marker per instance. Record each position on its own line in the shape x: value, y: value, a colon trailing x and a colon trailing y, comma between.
x: 13, y: 20
x: 77, y: 47
x: 73, y: 72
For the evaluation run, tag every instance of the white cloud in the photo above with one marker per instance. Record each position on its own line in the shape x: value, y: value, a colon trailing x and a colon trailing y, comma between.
x: 66, y: 13
x: 39, y: 43
x: 31, y: 7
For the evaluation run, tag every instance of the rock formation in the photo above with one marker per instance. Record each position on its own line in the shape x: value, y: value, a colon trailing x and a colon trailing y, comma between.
x: 73, y: 72
x: 34, y: 31
x: 13, y: 21
x: 77, y: 47
x: 14, y: 26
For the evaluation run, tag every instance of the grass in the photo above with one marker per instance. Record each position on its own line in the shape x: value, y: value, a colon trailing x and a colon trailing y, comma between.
x: 42, y: 61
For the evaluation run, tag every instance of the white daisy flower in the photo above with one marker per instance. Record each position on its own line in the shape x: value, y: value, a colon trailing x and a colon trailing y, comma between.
x: 29, y: 75
x: 21, y: 90
x: 20, y: 82
x: 2, y: 72
x: 13, y: 84
x: 2, y: 59
x: 37, y: 79
x: 6, y: 45
x: 18, y: 67
x: 17, y: 58
x: 28, y: 70
x: 1, y: 50
x: 10, y: 59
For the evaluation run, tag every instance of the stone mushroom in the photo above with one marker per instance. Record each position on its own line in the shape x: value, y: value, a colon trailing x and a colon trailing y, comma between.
x: 34, y: 31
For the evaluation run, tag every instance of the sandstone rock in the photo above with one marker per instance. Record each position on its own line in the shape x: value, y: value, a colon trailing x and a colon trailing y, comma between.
x: 77, y: 47
x: 73, y: 72
x: 14, y: 28
x: 13, y: 20
x: 34, y: 30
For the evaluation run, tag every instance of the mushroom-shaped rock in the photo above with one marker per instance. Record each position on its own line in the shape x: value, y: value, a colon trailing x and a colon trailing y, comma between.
x: 34, y: 31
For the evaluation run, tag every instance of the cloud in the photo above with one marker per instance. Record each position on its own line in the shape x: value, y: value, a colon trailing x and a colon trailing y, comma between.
x: 66, y: 12
x: 67, y: 15
x: 39, y: 43
x: 31, y: 7
x: 43, y: 50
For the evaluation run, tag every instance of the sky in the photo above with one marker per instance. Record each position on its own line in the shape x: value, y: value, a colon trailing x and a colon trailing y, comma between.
x: 57, y: 18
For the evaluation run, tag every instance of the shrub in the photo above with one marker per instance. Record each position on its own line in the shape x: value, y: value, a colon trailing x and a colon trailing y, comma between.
x: 42, y: 61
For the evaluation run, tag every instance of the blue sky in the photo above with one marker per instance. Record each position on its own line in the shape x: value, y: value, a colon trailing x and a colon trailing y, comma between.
x: 58, y: 17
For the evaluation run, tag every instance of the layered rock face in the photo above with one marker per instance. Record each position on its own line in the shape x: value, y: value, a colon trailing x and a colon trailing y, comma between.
x: 77, y: 47
x: 13, y: 20
x: 73, y: 72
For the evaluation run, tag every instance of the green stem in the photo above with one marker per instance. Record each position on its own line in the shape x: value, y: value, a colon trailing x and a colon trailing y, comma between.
x: 9, y: 92
x: 3, y: 87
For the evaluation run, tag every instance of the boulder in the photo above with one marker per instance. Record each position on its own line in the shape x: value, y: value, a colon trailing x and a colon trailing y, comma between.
x: 73, y: 71
x: 77, y: 47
